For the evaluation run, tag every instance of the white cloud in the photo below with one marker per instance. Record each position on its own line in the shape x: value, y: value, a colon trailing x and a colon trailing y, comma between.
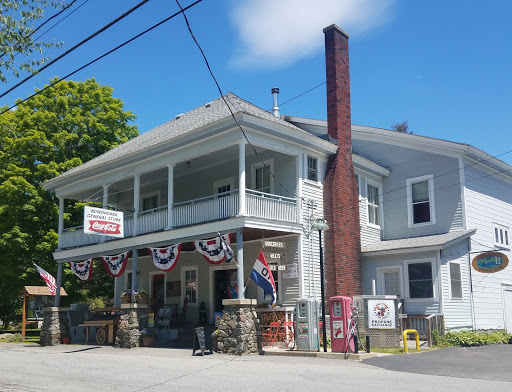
x: 275, y: 33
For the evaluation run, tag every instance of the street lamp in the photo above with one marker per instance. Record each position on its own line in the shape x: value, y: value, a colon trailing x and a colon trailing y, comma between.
x: 320, y: 225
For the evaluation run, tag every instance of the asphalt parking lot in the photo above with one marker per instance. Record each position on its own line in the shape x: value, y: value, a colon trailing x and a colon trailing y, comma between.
x: 492, y: 362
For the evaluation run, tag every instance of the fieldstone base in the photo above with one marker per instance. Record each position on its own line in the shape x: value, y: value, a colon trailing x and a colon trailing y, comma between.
x: 55, y: 326
x: 134, y: 317
x: 239, y: 327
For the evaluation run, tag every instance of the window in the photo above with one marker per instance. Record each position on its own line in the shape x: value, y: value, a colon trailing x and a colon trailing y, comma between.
x: 420, y: 280
x: 372, y: 193
x: 262, y: 180
x: 190, y: 286
x: 312, y: 168
x: 420, y: 196
x: 500, y: 235
x: 455, y: 280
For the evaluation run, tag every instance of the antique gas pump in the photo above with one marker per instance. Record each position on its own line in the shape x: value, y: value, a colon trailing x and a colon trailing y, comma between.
x: 307, y: 325
x: 341, y: 316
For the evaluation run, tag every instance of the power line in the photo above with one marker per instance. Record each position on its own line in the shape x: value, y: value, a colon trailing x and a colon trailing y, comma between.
x: 225, y: 101
x: 100, y: 57
x: 76, y: 46
x: 300, y: 95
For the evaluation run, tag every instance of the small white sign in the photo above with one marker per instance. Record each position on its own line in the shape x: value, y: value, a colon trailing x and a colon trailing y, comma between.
x: 274, y: 244
x: 103, y: 222
x: 381, y: 314
x: 337, y: 327
x: 292, y: 271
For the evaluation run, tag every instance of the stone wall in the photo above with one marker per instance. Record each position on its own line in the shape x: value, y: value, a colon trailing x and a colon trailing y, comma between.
x: 239, y: 328
x: 55, y: 326
x: 134, y: 317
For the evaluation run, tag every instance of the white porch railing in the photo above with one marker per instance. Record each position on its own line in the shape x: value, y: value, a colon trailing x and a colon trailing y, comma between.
x: 193, y: 212
x: 206, y: 209
x: 266, y: 205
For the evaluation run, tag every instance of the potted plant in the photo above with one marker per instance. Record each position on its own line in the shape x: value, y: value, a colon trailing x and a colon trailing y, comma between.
x: 148, y: 336
x: 141, y: 295
x: 126, y: 296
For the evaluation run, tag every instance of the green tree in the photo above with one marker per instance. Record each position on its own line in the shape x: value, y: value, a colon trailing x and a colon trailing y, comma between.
x: 62, y: 127
x: 18, y: 19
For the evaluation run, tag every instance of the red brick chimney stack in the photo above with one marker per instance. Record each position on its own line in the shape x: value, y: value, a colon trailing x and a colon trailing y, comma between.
x: 343, y: 271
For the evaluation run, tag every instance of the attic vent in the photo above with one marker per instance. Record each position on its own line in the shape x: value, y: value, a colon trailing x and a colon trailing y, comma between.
x: 207, y: 105
x: 178, y: 116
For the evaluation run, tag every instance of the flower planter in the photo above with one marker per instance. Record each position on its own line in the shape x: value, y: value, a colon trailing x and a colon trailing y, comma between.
x: 142, y: 298
x: 126, y: 298
x: 66, y: 340
x: 148, y: 341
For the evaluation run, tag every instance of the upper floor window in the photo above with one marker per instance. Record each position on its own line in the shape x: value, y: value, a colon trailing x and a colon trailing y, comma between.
x: 372, y: 192
x: 312, y: 168
x: 420, y: 197
x: 421, y: 284
x: 262, y: 179
x: 149, y: 201
x: 500, y: 235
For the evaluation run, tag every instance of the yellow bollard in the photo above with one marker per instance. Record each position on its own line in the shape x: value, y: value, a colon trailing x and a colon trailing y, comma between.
x: 417, y: 339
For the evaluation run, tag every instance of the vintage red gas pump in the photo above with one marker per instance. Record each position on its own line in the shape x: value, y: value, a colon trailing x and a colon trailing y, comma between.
x: 341, y: 315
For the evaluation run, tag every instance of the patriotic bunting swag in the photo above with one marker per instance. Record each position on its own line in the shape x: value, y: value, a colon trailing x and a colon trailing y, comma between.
x: 82, y: 270
x: 115, y: 265
x: 48, y: 278
x: 166, y: 258
x: 216, y: 250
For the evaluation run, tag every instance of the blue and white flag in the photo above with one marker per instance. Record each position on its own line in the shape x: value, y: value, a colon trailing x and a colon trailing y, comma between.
x: 262, y: 275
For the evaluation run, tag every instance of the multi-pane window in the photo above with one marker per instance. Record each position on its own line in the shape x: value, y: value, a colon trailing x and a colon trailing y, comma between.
x: 148, y: 203
x: 391, y: 282
x: 373, y: 204
x: 455, y: 280
x: 312, y: 168
x: 191, y: 285
x: 421, y: 200
x: 262, y: 177
x: 420, y: 280
x: 500, y: 235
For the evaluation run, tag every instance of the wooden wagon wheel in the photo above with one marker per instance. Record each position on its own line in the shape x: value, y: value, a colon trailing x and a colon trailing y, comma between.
x: 101, y: 336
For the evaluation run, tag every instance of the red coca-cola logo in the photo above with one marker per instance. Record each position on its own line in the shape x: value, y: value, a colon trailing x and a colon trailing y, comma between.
x: 104, y: 227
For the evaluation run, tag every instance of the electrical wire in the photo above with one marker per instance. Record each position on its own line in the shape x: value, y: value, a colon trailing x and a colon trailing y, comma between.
x: 100, y: 57
x: 225, y: 101
x: 298, y: 96
x: 96, y: 33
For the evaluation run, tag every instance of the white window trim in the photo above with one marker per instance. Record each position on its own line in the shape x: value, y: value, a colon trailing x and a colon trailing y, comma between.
x: 499, y: 244
x: 126, y: 273
x: 358, y: 178
x: 380, y: 278
x: 147, y: 196
x: 226, y: 181
x: 381, y: 215
x: 183, y: 270
x: 270, y: 164
x: 306, y: 175
x: 410, y: 181
x: 450, y: 281
x: 406, y: 276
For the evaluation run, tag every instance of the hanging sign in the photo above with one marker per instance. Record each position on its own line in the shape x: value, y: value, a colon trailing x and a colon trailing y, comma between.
x: 273, y: 244
x: 104, y: 222
x: 381, y: 314
x: 490, y: 262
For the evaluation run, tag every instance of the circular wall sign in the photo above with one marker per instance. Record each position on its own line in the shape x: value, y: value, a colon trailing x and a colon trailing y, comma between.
x: 490, y: 262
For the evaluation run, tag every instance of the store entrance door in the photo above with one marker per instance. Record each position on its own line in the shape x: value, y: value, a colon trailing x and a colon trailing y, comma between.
x: 224, y: 287
x: 157, y: 292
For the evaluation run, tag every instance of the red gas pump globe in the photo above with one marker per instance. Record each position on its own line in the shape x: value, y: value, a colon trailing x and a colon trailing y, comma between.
x: 341, y: 314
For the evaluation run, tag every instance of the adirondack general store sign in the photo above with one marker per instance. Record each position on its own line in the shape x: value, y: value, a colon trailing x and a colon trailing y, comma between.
x: 104, y: 222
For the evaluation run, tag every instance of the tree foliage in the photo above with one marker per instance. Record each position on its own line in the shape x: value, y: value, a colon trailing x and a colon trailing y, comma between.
x: 18, y: 19
x: 62, y: 127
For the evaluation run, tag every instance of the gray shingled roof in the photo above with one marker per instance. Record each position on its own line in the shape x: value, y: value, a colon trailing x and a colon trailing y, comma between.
x: 203, y: 115
x: 435, y: 241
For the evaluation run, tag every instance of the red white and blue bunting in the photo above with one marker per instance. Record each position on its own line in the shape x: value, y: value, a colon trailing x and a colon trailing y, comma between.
x: 115, y: 265
x: 83, y: 270
x: 165, y: 258
x: 216, y: 250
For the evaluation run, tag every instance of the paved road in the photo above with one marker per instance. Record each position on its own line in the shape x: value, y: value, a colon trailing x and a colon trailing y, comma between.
x: 493, y: 362
x: 31, y: 368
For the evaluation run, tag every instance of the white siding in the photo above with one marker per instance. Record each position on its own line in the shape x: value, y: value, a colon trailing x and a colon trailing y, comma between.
x: 488, y: 200
x: 457, y: 312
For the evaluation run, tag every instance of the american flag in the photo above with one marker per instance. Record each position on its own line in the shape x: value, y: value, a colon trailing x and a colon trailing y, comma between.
x: 49, y: 279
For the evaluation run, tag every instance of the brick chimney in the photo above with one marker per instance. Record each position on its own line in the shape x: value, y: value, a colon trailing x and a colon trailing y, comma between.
x: 343, y: 270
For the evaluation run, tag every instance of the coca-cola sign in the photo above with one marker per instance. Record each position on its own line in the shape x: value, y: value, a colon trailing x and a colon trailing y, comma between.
x: 103, y: 222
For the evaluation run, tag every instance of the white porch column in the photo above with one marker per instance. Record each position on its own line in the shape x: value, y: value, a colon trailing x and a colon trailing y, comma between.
x: 136, y: 203
x: 240, y: 261
x: 61, y: 221
x: 170, y: 195
x: 241, y: 175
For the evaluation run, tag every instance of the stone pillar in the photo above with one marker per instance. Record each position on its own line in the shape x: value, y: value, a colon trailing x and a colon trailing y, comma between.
x: 55, y: 326
x: 134, y: 318
x: 239, y: 328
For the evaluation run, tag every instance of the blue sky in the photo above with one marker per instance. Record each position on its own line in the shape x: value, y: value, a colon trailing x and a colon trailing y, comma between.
x: 444, y: 66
